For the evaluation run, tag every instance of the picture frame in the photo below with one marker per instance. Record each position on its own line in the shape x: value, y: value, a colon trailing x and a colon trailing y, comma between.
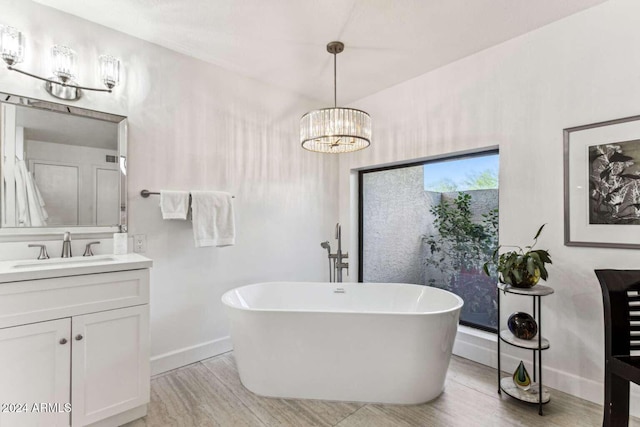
x: 602, y: 184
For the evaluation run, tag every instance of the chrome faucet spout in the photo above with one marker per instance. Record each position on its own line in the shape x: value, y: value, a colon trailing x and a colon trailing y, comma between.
x: 66, y: 245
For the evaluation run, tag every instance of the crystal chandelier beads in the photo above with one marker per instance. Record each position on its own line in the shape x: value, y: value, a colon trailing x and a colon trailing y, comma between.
x: 335, y: 130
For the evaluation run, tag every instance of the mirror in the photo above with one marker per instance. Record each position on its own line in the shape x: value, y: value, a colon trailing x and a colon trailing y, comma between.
x: 63, y: 167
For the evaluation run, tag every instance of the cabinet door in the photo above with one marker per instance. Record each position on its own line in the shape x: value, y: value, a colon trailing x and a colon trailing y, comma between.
x: 110, y: 369
x: 35, y: 370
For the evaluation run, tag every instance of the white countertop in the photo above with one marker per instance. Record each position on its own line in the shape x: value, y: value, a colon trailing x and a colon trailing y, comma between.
x: 14, y: 271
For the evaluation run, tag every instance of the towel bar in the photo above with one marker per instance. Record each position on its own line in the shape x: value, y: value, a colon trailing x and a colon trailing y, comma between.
x: 147, y: 193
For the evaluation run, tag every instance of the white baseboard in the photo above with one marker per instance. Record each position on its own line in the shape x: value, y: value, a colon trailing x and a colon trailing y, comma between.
x: 476, y: 345
x: 122, y: 418
x: 481, y: 347
x: 185, y: 356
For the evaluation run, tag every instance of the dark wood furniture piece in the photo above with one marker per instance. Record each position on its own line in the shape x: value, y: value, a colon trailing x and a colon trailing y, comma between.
x: 621, y: 300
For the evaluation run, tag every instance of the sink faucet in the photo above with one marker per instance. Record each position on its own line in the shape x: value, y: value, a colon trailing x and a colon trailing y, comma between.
x: 66, y: 245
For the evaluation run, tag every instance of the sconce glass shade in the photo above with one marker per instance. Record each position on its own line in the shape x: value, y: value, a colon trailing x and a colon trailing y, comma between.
x: 11, y: 45
x: 62, y: 84
x: 109, y: 70
x: 335, y: 130
x: 64, y: 63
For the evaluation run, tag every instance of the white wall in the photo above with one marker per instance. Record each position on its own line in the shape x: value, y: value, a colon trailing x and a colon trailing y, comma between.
x: 520, y: 95
x: 195, y: 126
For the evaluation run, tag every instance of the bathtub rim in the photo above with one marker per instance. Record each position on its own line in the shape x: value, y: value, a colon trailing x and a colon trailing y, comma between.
x: 458, y: 306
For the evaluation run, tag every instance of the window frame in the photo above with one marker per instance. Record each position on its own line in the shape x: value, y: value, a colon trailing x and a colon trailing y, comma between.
x: 362, y: 172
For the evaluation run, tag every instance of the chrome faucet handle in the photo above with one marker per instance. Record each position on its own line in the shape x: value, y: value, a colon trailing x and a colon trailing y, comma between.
x: 43, y: 251
x: 87, y: 249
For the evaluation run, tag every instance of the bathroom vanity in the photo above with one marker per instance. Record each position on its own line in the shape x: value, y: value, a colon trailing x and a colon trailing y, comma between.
x: 74, y: 341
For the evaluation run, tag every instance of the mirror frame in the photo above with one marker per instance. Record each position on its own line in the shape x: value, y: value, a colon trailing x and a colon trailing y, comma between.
x: 28, y: 233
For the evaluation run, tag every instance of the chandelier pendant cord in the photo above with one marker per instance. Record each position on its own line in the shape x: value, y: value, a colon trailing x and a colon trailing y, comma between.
x: 335, y: 81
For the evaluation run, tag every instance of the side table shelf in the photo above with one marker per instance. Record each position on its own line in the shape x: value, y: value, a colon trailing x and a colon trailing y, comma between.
x: 509, y: 338
x: 530, y: 396
x: 536, y: 394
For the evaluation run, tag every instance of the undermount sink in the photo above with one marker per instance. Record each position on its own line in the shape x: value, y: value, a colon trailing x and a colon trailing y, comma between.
x: 63, y: 261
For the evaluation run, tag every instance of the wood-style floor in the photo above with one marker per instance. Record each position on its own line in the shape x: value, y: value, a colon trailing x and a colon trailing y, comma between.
x: 209, y: 393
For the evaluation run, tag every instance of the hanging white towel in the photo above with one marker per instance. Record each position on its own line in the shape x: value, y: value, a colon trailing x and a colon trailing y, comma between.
x: 212, y: 217
x: 45, y: 215
x: 22, y: 207
x: 37, y: 211
x: 174, y: 204
x: 27, y: 190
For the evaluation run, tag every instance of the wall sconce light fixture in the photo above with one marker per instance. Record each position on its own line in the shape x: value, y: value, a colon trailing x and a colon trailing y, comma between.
x: 62, y: 84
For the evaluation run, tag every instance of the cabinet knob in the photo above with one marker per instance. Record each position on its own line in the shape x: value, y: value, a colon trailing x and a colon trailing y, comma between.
x: 78, y: 337
x: 63, y: 341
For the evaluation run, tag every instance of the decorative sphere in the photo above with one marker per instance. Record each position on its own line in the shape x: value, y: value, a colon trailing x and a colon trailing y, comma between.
x: 522, y: 325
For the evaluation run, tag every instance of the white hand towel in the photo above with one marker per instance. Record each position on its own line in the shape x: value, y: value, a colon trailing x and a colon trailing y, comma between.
x: 212, y: 217
x: 174, y: 204
x: 35, y: 205
x: 22, y: 205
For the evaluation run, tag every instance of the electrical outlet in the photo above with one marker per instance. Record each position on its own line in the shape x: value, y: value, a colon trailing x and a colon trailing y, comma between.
x: 139, y: 243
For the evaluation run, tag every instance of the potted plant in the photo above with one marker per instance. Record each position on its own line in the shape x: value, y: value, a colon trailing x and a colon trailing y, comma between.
x: 520, y: 268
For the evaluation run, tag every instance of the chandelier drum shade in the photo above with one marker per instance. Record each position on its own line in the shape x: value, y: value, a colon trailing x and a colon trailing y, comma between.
x: 335, y: 130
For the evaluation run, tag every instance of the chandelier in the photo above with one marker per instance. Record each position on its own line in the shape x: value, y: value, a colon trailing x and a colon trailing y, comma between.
x: 335, y: 130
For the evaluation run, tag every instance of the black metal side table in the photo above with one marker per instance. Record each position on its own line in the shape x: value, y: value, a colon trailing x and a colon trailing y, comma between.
x: 536, y: 394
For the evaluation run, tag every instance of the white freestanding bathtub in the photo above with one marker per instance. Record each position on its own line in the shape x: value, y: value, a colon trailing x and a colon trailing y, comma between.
x: 363, y: 342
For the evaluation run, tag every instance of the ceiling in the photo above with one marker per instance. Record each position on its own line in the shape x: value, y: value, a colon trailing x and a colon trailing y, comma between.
x: 282, y: 42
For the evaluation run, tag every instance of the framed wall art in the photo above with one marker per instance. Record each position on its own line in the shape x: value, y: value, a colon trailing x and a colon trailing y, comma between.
x: 602, y: 184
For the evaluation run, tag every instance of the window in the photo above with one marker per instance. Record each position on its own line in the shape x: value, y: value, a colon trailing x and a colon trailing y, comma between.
x: 435, y: 224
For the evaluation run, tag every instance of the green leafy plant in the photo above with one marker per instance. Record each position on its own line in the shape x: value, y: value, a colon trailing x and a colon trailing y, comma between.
x: 461, y: 244
x: 458, y: 251
x: 521, y: 267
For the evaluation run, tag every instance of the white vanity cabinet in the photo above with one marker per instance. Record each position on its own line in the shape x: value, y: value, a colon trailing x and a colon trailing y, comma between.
x: 74, y: 349
x: 34, y: 368
x: 110, y: 363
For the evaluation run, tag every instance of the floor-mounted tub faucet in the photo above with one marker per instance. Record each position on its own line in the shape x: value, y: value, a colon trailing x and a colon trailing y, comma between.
x: 337, y: 258
x: 340, y: 256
